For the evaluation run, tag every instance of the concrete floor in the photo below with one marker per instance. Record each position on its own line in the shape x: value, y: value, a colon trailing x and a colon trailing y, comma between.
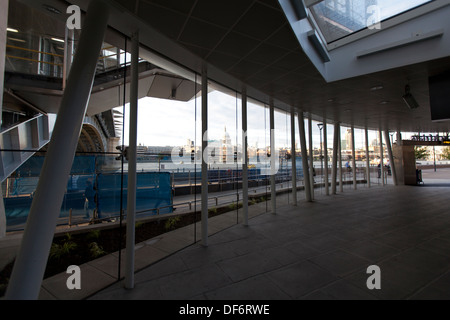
x: 318, y: 250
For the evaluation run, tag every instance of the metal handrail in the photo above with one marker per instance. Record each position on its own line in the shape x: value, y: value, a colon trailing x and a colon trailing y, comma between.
x: 36, y: 51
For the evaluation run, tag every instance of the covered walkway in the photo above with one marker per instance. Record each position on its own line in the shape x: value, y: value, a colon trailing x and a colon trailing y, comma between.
x: 318, y: 250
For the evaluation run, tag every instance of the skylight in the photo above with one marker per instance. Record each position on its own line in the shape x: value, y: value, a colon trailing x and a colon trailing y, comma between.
x: 337, y: 19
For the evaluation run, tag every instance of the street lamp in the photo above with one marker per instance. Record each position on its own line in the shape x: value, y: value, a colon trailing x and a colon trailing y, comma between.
x: 320, y: 125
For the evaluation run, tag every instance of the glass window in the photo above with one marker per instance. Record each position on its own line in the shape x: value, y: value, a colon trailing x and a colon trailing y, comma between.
x: 339, y: 18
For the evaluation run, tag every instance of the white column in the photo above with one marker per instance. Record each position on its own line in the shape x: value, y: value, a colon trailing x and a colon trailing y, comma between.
x: 132, y: 159
x: 335, y: 158
x: 293, y: 159
x: 311, y: 156
x: 204, y: 156
x: 273, y: 197
x: 306, y: 183
x: 341, y: 178
x: 32, y: 258
x: 244, y: 157
x: 68, y: 53
x: 381, y: 158
x: 367, y: 158
x: 391, y: 157
x: 325, y: 147
x: 354, y: 159
x: 3, y: 32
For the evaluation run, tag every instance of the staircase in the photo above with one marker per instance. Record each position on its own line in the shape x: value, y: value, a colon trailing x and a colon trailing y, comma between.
x: 29, y: 137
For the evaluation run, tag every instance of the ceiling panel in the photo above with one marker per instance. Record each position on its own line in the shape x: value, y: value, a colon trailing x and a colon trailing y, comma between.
x: 237, y: 44
x: 168, y: 22
x: 260, y: 22
x: 266, y: 54
x: 210, y: 34
x: 252, y: 41
x: 222, y: 13
x: 184, y: 6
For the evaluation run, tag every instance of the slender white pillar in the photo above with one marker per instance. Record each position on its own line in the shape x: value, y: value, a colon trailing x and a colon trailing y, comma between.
x: 354, y: 159
x: 29, y: 268
x: 341, y: 178
x: 244, y: 157
x: 311, y: 156
x: 273, y: 197
x: 381, y: 158
x: 325, y: 147
x: 204, y: 156
x: 306, y: 183
x: 68, y: 54
x: 293, y: 159
x: 367, y: 158
x: 3, y: 32
x: 132, y: 166
x: 391, y: 157
x: 335, y: 158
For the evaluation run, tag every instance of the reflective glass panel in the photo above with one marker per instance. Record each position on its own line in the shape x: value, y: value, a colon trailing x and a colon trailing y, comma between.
x: 339, y: 18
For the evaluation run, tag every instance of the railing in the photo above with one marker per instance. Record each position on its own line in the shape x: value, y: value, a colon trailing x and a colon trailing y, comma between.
x: 48, y: 59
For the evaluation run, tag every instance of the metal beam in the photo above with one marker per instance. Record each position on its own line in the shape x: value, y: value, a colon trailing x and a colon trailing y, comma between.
x: 132, y: 163
x: 204, y: 195
x: 335, y: 159
x: 325, y: 147
x: 311, y: 156
x: 306, y: 182
x: 310, y: 3
x: 354, y: 159
x: 391, y: 157
x: 3, y: 35
x: 341, y: 173
x: 367, y: 157
x: 29, y: 268
x: 273, y: 197
x: 381, y: 159
x: 244, y: 157
x: 293, y: 159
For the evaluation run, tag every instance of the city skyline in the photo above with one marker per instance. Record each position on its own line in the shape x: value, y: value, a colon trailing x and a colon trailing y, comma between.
x: 163, y: 122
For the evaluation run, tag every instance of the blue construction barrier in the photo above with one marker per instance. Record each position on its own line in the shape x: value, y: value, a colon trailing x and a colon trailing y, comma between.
x: 154, y: 190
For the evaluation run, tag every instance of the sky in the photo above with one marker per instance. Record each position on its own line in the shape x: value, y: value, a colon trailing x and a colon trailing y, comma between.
x: 164, y: 122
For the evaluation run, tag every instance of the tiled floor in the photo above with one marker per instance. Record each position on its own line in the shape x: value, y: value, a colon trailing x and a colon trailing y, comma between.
x: 318, y: 250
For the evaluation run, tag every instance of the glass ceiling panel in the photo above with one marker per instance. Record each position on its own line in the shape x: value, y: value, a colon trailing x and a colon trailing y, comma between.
x: 340, y: 18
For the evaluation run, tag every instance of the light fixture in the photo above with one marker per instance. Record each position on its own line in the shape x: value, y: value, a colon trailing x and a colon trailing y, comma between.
x: 58, y: 40
x: 409, y: 99
x: 12, y: 30
x: 17, y: 40
x: 375, y: 88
